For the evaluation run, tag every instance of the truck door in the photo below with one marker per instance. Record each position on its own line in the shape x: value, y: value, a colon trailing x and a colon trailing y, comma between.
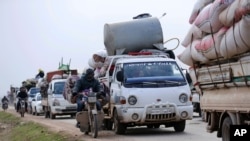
x: 115, y: 88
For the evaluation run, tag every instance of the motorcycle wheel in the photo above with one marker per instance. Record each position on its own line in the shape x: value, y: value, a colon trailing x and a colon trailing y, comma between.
x: 22, y: 112
x: 94, y: 127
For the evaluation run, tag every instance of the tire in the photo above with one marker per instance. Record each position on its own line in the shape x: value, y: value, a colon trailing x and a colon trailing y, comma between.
x: 108, y: 124
x: 180, y: 126
x: 36, y: 112
x: 157, y: 126
x: 72, y: 115
x: 30, y: 111
x: 33, y: 112
x: 226, y: 129
x: 22, y: 112
x: 118, y: 127
x: 51, y: 115
x: 94, y: 127
x: 46, y: 112
x: 150, y: 126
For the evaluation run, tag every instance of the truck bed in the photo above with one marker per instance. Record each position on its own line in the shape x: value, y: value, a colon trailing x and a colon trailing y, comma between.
x: 229, y: 99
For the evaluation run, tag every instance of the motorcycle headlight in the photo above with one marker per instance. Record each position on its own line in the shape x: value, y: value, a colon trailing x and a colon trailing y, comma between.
x: 56, y: 102
x: 132, y: 100
x: 183, y: 98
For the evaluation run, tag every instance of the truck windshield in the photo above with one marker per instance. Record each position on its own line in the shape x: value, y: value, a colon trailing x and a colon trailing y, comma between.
x: 153, y: 74
x: 58, y: 87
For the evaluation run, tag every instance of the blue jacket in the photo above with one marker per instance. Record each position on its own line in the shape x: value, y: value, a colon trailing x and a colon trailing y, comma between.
x: 83, y: 84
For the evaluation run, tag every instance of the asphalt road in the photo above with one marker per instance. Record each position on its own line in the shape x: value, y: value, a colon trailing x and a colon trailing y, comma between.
x: 195, y: 130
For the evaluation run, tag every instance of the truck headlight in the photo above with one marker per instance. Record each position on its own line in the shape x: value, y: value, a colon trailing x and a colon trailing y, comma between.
x: 132, y: 100
x: 56, y: 102
x: 183, y: 98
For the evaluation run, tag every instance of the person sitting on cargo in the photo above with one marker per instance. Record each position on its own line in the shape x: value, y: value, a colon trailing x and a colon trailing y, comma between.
x: 100, y: 62
x: 40, y: 74
x: 22, y: 95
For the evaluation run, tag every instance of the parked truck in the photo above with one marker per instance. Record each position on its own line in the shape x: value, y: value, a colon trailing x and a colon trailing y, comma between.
x: 224, y: 91
x: 145, y: 84
x: 53, y: 101
x: 217, y: 51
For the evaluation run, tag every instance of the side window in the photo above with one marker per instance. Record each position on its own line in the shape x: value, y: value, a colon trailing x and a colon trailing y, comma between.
x: 49, y: 89
x: 117, y: 68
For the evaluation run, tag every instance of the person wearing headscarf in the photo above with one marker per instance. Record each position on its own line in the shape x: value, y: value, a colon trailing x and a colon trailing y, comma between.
x: 100, y: 62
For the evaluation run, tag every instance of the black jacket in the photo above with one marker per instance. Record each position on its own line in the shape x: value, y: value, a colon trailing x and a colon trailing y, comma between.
x: 22, y: 95
x: 83, y: 84
x: 5, y: 98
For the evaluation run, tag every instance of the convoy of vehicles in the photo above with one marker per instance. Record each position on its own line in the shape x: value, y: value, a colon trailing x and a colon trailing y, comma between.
x: 146, y: 86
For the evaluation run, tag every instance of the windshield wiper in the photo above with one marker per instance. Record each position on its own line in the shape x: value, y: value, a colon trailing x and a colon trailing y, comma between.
x: 170, y: 82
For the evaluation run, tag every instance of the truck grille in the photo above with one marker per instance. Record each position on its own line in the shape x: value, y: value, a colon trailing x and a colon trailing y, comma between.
x: 153, y: 117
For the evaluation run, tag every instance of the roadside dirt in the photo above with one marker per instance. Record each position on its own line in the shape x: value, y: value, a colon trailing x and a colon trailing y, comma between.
x: 53, y: 125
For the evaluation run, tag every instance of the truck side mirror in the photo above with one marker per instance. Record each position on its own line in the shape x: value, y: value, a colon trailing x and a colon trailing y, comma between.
x: 188, y: 77
x: 119, y: 76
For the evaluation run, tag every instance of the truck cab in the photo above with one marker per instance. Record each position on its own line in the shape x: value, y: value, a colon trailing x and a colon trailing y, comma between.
x: 57, y: 105
x: 147, y: 90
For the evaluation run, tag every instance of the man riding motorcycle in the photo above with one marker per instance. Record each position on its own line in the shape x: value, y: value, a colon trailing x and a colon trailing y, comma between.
x: 22, y: 95
x: 4, y: 99
x: 87, y: 82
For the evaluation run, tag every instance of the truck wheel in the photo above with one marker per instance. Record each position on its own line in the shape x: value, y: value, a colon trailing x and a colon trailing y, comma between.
x: 46, y: 114
x: 226, y: 129
x: 150, y: 126
x: 180, y: 126
x: 108, y: 124
x: 118, y: 127
x: 156, y: 125
x: 72, y: 115
x: 51, y: 115
x: 36, y: 113
x: 33, y: 112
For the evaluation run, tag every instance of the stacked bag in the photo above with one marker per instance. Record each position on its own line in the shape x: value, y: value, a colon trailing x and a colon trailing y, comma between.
x: 219, y: 29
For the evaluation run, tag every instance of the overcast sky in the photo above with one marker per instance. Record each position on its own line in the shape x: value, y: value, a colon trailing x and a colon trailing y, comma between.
x: 38, y: 33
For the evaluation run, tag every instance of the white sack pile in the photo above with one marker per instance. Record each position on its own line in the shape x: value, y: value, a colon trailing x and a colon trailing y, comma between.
x: 219, y: 28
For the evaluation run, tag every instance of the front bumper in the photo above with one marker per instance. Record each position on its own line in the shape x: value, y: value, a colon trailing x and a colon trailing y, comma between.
x: 155, y: 113
x: 64, y: 110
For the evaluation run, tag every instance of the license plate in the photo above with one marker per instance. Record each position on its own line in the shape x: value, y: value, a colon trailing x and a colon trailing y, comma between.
x: 165, y: 111
x: 91, y: 99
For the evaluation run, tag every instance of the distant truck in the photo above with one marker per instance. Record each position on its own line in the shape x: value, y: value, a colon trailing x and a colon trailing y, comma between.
x: 145, y: 85
x: 53, y: 101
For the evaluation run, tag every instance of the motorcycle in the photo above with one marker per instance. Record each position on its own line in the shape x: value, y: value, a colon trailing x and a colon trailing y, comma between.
x: 5, y: 105
x: 90, y: 118
x: 22, y: 107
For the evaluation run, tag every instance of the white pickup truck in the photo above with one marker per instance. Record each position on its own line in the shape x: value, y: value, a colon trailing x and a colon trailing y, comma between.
x: 158, y: 96
x: 55, y: 104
